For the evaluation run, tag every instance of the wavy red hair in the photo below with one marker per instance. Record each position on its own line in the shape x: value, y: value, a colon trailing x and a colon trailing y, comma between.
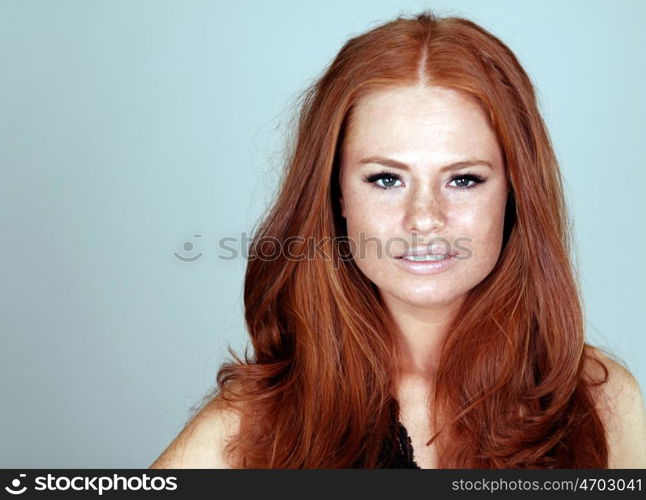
x: 511, y: 390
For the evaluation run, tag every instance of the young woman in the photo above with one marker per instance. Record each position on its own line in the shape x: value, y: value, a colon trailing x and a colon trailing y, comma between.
x: 438, y: 322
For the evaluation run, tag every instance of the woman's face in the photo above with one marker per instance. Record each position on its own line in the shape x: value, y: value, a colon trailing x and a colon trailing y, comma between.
x: 422, y: 169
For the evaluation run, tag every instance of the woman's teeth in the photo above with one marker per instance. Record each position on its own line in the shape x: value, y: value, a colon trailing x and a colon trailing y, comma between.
x: 422, y: 258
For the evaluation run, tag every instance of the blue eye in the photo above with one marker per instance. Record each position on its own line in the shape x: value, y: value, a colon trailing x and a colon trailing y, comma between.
x: 386, y: 180
x: 466, y: 178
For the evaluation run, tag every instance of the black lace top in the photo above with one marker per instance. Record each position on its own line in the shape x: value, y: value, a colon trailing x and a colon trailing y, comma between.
x: 401, y: 457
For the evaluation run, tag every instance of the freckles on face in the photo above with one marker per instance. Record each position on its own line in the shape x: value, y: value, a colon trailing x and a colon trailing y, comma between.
x: 422, y: 165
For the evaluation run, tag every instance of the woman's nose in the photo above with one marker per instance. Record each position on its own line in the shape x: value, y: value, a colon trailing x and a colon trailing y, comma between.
x: 425, y: 213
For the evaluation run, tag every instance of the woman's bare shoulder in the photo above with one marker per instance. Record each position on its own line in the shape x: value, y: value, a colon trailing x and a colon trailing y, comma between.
x: 621, y: 406
x: 201, y: 444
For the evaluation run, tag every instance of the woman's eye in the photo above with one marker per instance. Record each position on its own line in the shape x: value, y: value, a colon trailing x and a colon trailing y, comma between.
x: 462, y: 181
x: 382, y: 180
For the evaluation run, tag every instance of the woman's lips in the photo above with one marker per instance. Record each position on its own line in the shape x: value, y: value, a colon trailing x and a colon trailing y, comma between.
x: 427, y: 267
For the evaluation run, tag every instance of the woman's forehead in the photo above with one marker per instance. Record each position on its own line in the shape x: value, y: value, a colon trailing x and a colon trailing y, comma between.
x: 415, y: 122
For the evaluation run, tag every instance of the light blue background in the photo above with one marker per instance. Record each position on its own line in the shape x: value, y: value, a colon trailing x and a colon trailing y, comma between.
x: 127, y: 127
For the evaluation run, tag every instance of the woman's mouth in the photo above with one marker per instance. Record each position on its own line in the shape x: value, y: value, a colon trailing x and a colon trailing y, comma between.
x: 426, y: 263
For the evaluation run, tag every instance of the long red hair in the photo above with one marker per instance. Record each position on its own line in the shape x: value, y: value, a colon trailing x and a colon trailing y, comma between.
x: 510, y: 391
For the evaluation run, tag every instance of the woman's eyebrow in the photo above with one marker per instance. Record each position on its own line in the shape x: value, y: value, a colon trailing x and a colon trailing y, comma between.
x: 389, y: 162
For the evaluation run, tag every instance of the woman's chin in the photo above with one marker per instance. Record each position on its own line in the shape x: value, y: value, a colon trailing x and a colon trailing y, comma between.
x: 426, y: 299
